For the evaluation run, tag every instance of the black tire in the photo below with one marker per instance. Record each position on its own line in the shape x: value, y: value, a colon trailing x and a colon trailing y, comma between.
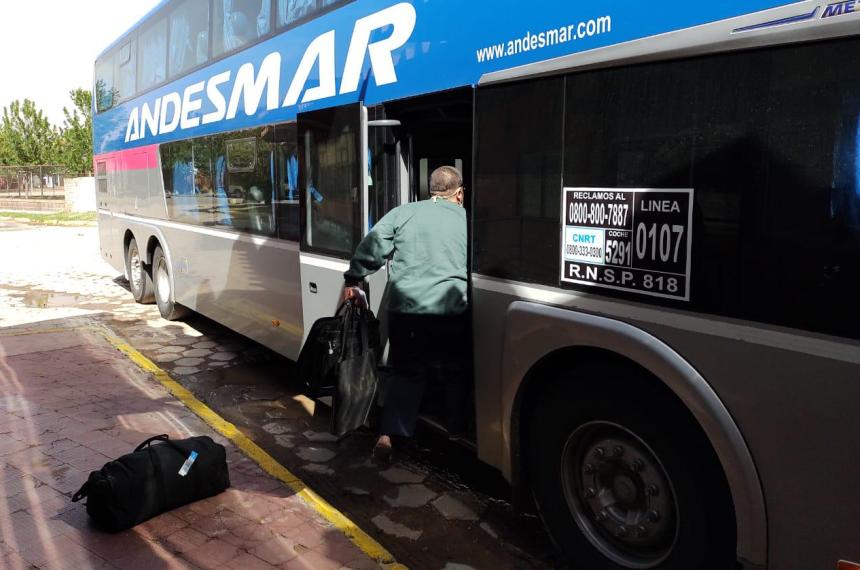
x: 163, y: 285
x: 616, y: 403
x: 139, y: 278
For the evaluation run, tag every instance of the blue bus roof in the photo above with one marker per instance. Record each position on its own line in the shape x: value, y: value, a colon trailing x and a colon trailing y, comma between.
x: 381, y: 50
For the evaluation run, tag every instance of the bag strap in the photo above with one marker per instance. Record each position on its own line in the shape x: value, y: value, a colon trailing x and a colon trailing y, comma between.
x: 162, y: 437
x: 348, y: 314
x: 82, y: 492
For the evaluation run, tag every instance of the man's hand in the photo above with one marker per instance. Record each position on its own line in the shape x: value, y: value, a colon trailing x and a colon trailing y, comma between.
x: 356, y: 296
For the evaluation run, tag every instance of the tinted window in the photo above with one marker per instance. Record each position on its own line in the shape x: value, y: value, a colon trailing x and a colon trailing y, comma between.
x: 105, y: 90
x: 126, y: 70
x: 188, y: 197
x: 518, y: 181
x: 152, y: 55
x: 329, y: 174
x: 776, y: 219
x: 248, y: 183
x: 189, y: 36
x: 242, y: 155
x: 203, y: 187
x: 292, y: 11
x: 287, y: 208
x: 238, y: 23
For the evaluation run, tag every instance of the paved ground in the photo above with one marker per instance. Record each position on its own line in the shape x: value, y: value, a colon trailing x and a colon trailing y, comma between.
x: 69, y: 402
x: 436, y: 507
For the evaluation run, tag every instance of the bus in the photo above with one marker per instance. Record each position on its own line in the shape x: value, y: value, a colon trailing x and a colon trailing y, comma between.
x: 664, y: 218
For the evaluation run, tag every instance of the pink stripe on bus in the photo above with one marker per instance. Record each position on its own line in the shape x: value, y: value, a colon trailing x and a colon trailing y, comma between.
x: 137, y: 158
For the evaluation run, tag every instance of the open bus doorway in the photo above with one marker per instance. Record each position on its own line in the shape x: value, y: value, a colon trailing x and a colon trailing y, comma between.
x: 407, y: 141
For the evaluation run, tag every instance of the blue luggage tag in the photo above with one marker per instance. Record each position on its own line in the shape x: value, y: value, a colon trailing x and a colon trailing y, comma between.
x: 183, y: 471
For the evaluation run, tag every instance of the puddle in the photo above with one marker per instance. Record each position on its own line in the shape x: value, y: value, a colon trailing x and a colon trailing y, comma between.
x: 45, y: 299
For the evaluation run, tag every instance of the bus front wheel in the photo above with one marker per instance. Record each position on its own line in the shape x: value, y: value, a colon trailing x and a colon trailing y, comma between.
x: 164, y: 295
x: 624, y: 477
x: 139, y: 280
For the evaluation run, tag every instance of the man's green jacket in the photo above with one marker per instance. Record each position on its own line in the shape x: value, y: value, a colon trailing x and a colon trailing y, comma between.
x: 426, y: 242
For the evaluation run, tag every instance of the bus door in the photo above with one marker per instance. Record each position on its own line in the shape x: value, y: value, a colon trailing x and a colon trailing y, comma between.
x: 418, y: 135
x: 387, y: 187
x: 332, y: 178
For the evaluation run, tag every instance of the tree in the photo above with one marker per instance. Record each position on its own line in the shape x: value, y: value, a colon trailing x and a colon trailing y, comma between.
x: 26, y: 135
x: 76, y: 136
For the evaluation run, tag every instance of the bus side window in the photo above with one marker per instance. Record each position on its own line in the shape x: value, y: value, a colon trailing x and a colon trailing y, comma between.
x: 211, y: 181
x: 189, y: 36
x: 238, y: 22
x: 187, y: 189
x: 246, y: 204
x: 287, y: 208
x: 152, y: 55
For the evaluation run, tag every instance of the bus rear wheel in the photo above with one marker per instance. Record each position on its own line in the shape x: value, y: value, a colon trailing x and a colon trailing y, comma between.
x: 139, y: 279
x: 164, y: 295
x: 624, y: 478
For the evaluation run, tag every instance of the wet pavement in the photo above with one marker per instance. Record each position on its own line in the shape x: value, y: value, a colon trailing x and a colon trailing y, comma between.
x: 434, y: 507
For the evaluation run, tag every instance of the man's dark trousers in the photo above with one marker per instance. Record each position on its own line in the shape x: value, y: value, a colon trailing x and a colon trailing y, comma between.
x: 426, y: 348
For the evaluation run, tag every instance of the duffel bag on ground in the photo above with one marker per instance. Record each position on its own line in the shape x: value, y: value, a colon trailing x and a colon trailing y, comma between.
x: 154, y: 479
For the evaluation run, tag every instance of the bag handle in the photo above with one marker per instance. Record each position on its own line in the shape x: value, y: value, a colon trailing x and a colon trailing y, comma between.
x: 341, y: 310
x: 82, y: 492
x: 162, y: 437
x: 359, y: 316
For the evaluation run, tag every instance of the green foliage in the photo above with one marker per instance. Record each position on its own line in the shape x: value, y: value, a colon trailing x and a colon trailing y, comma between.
x: 52, y: 218
x: 28, y: 138
x: 76, y: 139
x: 27, y: 135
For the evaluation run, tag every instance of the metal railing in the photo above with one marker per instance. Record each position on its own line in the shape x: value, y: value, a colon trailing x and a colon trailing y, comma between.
x: 45, y: 181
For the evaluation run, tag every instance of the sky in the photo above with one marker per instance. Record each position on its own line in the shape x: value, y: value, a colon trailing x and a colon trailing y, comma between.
x: 47, y: 47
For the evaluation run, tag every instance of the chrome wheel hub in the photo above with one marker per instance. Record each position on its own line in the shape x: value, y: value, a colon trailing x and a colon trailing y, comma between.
x: 620, y: 495
x: 135, y: 269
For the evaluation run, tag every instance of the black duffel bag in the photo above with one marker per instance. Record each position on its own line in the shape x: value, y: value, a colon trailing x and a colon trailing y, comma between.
x: 154, y: 479
x: 318, y: 361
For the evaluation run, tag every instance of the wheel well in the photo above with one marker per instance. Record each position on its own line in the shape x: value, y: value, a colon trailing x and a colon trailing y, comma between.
x: 150, y: 249
x: 125, y: 240
x: 150, y: 246
x: 544, y: 373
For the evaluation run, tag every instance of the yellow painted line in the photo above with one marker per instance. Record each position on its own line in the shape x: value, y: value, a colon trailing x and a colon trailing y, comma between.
x: 360, y: 538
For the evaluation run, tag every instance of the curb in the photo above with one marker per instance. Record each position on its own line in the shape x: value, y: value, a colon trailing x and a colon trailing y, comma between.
x: 361, y: 539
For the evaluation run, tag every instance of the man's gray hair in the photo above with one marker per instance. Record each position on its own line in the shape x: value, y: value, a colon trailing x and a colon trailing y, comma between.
x: 445, y: 180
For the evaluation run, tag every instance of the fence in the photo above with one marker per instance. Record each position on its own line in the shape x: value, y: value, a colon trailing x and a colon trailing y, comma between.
x: 33, y: 182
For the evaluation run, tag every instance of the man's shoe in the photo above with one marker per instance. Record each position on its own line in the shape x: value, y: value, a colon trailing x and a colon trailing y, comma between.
x: 382, y: 449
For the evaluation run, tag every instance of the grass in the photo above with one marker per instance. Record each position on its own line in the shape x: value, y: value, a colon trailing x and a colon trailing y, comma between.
x: 50, y: 217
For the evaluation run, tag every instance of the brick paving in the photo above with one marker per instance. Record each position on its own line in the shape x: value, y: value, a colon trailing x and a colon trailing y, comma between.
x: 69, y: 402
x: 431, y: 509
